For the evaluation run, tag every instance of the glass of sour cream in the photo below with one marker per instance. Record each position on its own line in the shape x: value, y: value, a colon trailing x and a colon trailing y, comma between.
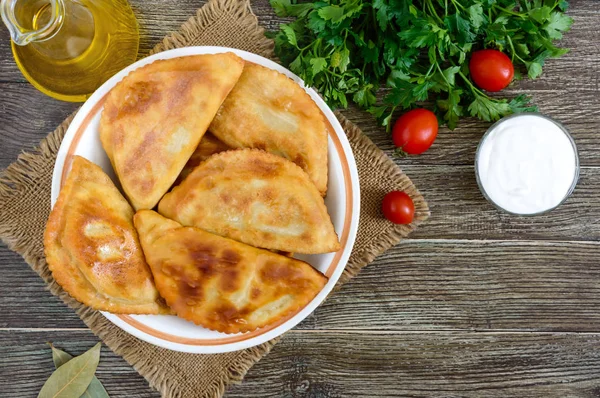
x: 527, y: 164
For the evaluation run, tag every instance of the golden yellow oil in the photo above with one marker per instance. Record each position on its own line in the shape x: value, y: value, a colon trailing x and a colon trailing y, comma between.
x: 97, y: 38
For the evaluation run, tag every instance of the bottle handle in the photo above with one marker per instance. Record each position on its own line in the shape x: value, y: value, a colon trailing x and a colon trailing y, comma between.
x: 23, y: 36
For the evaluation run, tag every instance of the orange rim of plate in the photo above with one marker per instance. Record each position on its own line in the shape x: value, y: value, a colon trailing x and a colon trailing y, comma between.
x: 245, y: 336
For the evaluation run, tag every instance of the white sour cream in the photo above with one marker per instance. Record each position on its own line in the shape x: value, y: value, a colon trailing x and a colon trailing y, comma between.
x: 527, y: 164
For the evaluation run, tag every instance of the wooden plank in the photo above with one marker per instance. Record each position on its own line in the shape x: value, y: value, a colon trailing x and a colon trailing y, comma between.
x: 459, y: 211
x: 26, y: 363
x: 418, y: 285
x: 337, y: 364
x: 579, y: 113
x: 28, y: 116
x: 25, y: 300
x: 357, y: 364
x: 156, y: 18
x: 486, y: 285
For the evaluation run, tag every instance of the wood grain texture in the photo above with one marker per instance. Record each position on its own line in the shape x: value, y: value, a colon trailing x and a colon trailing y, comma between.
x: 332, y: 364
x: 418, y: 285
x: 459, y: 211
x: 577, y: 111
x: 26, y: 363
x: 568, y: 90
x: 475, y: 304
x: 28, y: 115
x: 359, y: 364
x: 25, y: 301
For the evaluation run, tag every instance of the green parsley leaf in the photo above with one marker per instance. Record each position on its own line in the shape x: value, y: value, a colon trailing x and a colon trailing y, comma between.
x: 534, y: 69
x: 420, y: 35
x: 365, y: 96
x: 522, y: 49
x: 522, y: 103
x: 452, y: 107
x: 296, y: 65
x: 344, y: 59
x: 563, y: 5
x: 476, y: 16
x: 332, y: 13
x: 460, y: 27
x: 421, y: 91
x: 402, y: 94
x: 318, y: 64
x: 450, y: 73
x: 316, y: 23
x: 290, y: 34
x: 558, y: 23
x: 488, y: 109
x: 382, y: 13
x: 285, y: 8
x: 541, y: 14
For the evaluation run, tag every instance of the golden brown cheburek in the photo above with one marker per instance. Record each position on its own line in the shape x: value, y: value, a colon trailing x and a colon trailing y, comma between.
x: 222, y: 284
x: 208, y: 146
x: 92, y: 247
x: 269, y: 111
x: 155, y: 117
x: 254, y: 197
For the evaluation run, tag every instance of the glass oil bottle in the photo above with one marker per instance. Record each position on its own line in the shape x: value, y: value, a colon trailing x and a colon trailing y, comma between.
x: 68, y: 48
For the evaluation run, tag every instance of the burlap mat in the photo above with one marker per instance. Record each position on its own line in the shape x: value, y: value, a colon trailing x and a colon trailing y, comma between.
x: 25, y: 205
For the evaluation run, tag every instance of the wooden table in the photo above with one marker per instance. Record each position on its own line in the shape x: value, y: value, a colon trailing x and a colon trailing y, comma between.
x: 475, y: 304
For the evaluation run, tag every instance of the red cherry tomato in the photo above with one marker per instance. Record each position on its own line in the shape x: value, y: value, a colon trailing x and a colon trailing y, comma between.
x: 398, y: 207
x: 491, y: 70
x: 415, y: 131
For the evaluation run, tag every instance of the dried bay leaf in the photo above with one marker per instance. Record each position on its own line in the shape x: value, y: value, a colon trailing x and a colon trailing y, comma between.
x: 72, y: 378
x: 94, y: 390
x: 59, y: 356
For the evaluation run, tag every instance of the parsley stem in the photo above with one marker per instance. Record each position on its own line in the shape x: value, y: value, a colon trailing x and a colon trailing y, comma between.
x: 513, y: 51
x: 516, y: 14
x: 474, y: 89
x: 444, y: 76
x: 432, y: 11
x: 457, y: 4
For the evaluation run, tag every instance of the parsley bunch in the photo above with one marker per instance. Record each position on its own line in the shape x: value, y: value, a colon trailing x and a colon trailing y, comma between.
x: 417, y: 49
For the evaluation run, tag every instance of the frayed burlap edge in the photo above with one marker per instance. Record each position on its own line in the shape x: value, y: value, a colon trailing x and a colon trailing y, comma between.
x: 209, y: 14
x: 18, y: 176
x: 386, y: 166
x: 21, y: 174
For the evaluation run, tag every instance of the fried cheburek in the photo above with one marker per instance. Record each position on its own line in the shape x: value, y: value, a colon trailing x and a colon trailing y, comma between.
x: 256, y: 198
x: 269, y: 111
x: 92, y: 247
x: 208, y: 146
x: 219, y: 283
x: 155, y: 117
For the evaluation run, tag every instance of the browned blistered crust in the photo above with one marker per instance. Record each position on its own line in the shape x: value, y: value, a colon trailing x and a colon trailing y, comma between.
x: 268, y: 110
x: 92, y: 247
x: 222, y: 284
x: 256, y: 198
x: 155, y: 117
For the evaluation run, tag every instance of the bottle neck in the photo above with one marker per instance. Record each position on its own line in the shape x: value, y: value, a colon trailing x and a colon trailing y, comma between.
x: 32, y: 21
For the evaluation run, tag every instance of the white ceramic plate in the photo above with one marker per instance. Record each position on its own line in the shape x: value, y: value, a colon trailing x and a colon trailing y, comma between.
x: 343, y: 201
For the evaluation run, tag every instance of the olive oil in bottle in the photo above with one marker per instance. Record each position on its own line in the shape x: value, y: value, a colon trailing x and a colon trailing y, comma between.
x: 68, y: 48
